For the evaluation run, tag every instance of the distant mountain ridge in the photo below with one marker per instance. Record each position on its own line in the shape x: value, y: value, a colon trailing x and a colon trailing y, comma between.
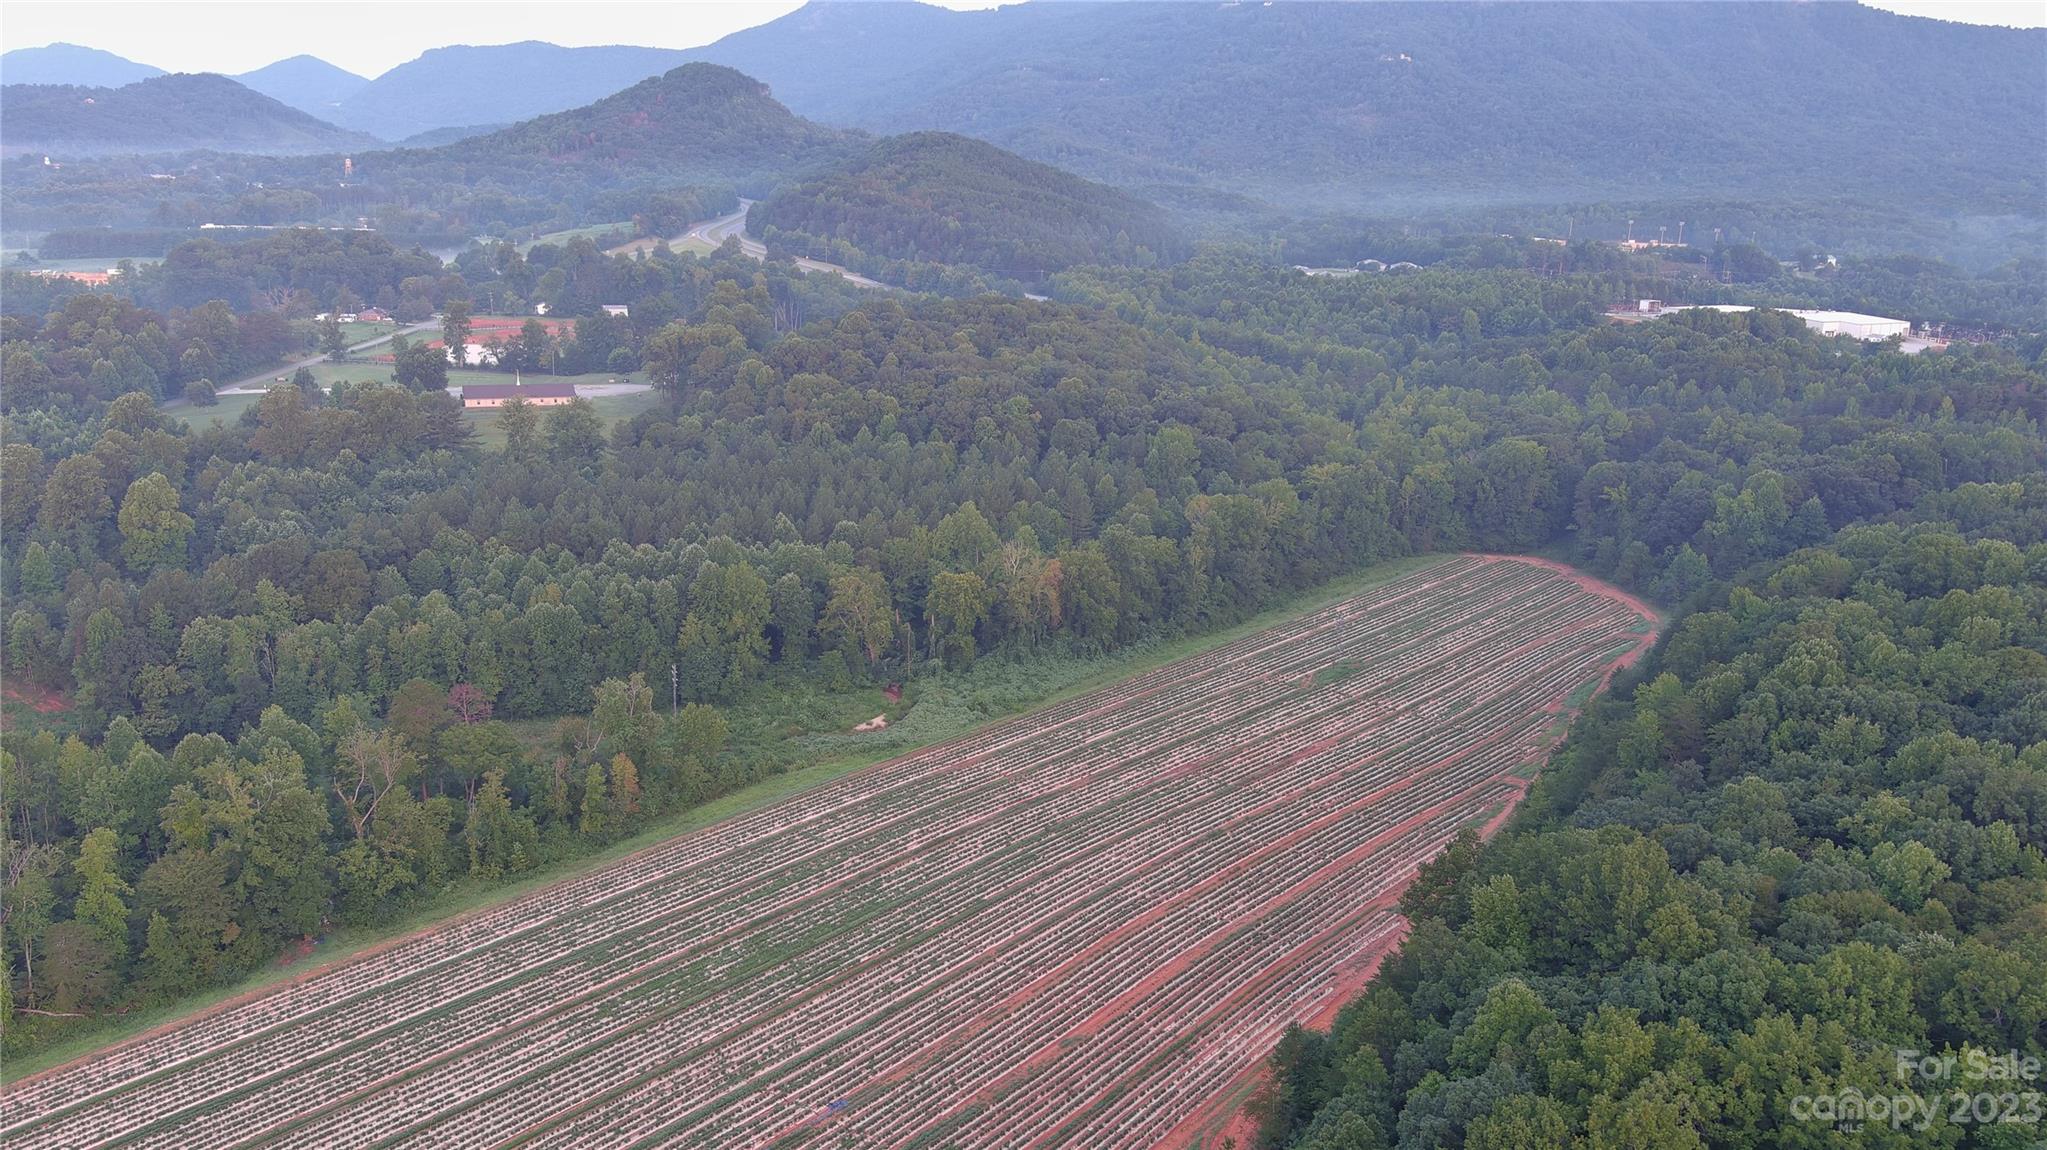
x: 698, y: 122
x: 71, y: 64
x: 1389, y: 104
x: 495, y: 84
x: 307, y: 83
x: 667, y: 151
x: 178, y: 112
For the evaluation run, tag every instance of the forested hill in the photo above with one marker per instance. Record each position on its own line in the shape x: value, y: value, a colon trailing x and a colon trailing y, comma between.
x: 495, y: 84
x: 699, y: 121
x: 163, y: 114
x: 1386, y: 104
x: 307, y: 83
x: 943, y: 198
x: 666, y: 146
x: 71, y: 64
x: 660, y: 154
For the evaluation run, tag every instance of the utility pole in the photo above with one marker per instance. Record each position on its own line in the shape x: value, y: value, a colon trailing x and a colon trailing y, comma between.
x: 674, y: 690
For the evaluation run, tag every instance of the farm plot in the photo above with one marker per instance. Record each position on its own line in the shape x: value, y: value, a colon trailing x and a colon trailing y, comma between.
x: 1072, y: 928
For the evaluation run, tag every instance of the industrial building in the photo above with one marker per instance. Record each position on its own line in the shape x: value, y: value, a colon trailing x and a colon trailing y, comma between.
x: 1855, y: 325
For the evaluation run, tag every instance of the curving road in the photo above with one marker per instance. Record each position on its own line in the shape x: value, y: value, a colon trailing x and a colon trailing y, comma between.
x: 262, y: 380
x: 716, y: 232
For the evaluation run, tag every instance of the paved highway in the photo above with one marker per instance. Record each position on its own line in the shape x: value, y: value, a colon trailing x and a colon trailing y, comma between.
x: 715, y: 232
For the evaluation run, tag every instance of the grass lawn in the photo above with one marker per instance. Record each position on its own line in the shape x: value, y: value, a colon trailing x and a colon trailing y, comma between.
x: 610, y: 408
x: 798, y: 736
x: 356, y: 333
x: 228, y: 409
x: 602, y: 234
x: 681, y: 243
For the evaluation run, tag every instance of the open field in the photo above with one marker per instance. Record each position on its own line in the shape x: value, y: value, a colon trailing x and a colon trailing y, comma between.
x: 359, y: 332
x: 795, y: 733
x: 1071, y: 928
x: 602, y: 235
x: 611, y: 409
x: 686, y: 242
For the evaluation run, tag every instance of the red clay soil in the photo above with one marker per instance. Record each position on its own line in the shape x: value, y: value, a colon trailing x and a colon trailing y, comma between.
x: 1224, y: 1121
x: 41, y: 700
x: 1227, y: 1122
x: 1606, y: 590
x: 1349, y: 985
x: 1220, y: 1117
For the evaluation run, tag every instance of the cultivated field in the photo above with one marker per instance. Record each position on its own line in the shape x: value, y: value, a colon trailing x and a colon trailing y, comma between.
x: 1070, y: 929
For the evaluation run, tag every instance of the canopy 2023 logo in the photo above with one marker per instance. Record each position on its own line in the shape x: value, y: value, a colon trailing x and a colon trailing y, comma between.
x: 1967, y: 1088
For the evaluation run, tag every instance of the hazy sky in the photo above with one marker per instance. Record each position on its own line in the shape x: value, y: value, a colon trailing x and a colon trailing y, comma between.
x: 367, y: 38
x: 370, y: 37
x: 2015, y: 13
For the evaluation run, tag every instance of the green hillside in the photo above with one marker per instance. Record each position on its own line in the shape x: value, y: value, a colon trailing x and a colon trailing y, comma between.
x: 699, y: 122
x: 162, y: 114
x: 1362, y: 105
x: 464, y: 84
x: 665, y: 151
x: 943, y: 198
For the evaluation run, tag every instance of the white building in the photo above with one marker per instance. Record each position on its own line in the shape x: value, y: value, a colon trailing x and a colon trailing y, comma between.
x: 1855, y: 325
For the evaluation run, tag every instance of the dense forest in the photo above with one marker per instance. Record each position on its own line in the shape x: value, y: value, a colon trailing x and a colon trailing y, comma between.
x: 1807, y: 837
x: 294, y: 642
x: 97, y: 346
x: 163, y: 114
x: 934, y: 197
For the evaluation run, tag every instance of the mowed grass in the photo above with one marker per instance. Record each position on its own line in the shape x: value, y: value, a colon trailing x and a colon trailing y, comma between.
x: 681, y: 243
x: 612, y: 409
x: 799, y: 736
x: 600, y: 234
x: 356, y: 333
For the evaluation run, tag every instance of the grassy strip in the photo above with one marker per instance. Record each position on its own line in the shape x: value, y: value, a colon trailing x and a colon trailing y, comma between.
x: 612, y: 409
x: 995, y: 689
